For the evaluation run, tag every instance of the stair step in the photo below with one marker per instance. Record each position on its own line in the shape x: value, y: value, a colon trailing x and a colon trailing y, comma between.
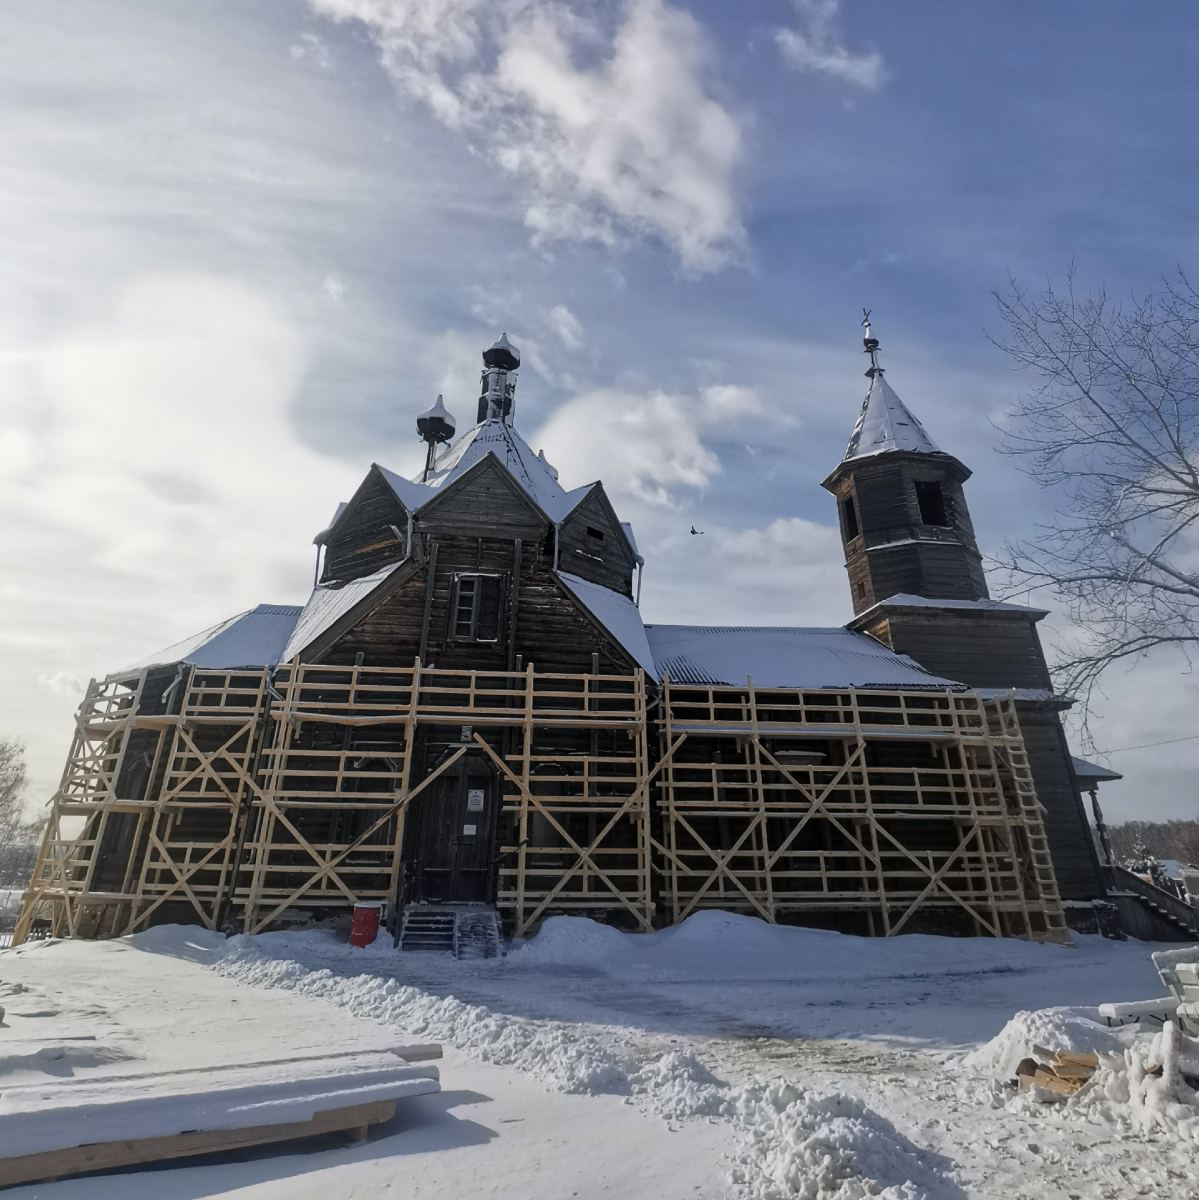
x: 429, y: 929
x: 467, y: 931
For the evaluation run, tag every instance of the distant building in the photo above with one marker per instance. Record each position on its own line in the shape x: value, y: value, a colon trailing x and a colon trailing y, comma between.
x: 469, y: 722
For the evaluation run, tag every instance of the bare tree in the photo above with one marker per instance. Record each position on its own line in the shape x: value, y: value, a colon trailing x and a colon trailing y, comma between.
x: 1136, y: 841
x: 1112, y: 425
x: 18, y: 837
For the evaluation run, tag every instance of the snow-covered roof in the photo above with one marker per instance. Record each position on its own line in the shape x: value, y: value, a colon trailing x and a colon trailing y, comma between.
x: 617, y: 614
x: 627, y: 530
x: 538, y: 479
x: 322, y: 537
x: 1089, y: 772
x: 906, y: 600
x: 783, y: 657
x: 327, y: 605
x: 886, y: 424
x: 251, y: 639
x: 1037, y: 695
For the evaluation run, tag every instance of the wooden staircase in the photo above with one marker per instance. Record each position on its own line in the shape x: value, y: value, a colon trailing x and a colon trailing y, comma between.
x: 1164, y: 907
x: 463, y: 930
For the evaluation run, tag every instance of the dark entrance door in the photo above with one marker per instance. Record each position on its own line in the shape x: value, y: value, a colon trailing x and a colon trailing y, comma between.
x: 454, y: 835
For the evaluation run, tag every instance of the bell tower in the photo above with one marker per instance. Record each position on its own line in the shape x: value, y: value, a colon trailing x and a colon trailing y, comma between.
x: 904, y: 521
x: 917, y: 582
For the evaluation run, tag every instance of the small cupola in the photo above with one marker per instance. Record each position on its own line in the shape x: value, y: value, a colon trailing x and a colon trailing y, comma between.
x: 503, y: 354
x: 435, y: 425
x: 496, y: 401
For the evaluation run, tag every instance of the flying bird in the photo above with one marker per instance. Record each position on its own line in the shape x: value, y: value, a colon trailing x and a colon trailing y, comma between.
x: 696, y: 531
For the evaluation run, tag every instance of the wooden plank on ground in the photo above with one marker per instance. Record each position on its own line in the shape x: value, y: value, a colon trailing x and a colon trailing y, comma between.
x: 105, y: 1156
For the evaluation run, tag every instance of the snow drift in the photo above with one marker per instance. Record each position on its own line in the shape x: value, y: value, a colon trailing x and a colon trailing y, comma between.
x: 797, y: 1143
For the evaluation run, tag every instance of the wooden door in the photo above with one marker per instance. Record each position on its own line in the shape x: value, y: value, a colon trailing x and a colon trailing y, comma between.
x: 454, y: 836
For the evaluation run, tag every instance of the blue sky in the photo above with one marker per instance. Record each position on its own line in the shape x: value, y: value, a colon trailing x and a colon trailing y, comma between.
x: 245, y: 244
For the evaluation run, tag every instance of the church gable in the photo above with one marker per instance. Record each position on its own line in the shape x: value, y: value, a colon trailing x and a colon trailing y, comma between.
x: 484, y: 502
x: 541, y: 622
x: 592, y: 545
x: 370, y: 532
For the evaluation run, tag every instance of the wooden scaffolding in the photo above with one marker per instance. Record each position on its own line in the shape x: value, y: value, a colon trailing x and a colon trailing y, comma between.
x: 271, y: 797
x: 255, y: 799
x: 914, y: 809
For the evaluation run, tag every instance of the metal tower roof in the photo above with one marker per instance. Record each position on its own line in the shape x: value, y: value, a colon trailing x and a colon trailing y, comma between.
x: 886, y: 424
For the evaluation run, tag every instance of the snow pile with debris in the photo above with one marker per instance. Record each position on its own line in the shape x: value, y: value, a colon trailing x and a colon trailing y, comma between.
x: 1139, y: 1085
x: 1145, y: 1087
x: 798, y: 1143
x: 1074, y: 1029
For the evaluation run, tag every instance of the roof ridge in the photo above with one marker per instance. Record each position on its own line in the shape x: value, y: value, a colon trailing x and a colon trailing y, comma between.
x: 535, y: 477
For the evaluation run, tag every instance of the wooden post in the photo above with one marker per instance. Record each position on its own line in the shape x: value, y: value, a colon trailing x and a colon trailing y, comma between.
x: 430, y: 583
x: 514, y: 604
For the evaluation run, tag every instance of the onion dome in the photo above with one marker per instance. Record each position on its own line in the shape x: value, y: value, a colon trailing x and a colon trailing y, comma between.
x: 435, y: 424
x: 503, y: 355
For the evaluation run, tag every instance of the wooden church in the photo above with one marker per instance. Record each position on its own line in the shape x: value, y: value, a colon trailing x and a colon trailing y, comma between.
x: 469, y: 724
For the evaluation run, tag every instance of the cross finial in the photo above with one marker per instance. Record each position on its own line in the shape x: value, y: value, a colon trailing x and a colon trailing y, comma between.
x: 870, y: 342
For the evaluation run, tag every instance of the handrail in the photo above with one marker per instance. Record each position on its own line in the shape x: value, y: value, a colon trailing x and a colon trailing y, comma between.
x: 1122, y: 879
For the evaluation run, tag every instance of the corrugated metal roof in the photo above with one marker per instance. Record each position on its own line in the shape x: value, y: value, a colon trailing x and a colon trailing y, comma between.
x: 251, y: 639
x: 782, y: 657
x: 886, y: 424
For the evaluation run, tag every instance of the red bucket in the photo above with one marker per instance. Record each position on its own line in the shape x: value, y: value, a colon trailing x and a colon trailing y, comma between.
x: 365, y: 926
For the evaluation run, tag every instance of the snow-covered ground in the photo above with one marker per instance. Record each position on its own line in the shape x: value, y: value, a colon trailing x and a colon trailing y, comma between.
x: 722, y: 1057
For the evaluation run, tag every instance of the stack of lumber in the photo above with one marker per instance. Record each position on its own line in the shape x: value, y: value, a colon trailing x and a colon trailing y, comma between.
x: 69, y: 1126
x: 1060, y: 1071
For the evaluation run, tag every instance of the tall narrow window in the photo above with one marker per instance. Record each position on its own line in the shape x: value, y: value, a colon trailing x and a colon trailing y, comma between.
x: 477, y: 608
x: 931, y: 500
x: 849, y: 518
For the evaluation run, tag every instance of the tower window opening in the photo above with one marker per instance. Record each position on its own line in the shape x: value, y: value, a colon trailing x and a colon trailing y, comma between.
x: 478, y: 604
x: 931, y: 500
x: 861, y: 591
x: 849, y: 518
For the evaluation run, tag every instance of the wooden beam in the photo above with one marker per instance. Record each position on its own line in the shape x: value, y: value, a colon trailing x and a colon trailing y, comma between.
x: 107, y: 1156
x: 514, y: 603
x: 430, y: 582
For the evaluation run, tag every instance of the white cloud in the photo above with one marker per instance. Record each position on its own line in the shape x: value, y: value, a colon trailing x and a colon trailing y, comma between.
x: 159, y: 446
x: 309, y: 46
x: 649, y: 449
x: 566, y: 326
x: 63, y: 683
x: 787, y: 572
x: 334, y: 289
x: 610, y: 131
x: 816, y: 45
x: 645, y: 445
x: 726, y: 402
